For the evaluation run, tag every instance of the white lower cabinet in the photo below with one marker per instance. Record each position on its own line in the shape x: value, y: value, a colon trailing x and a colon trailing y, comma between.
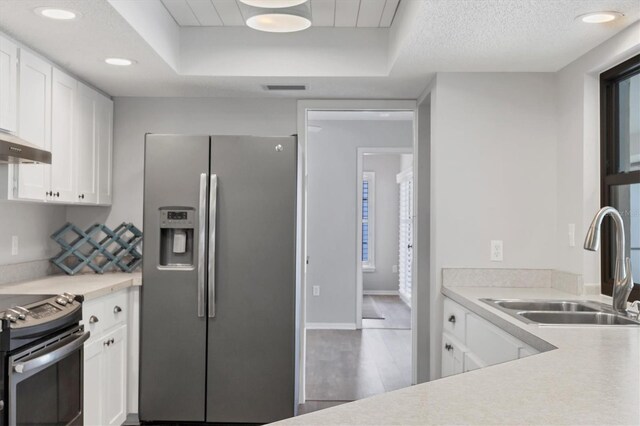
x: 470, y: 342
x: 106, y: 356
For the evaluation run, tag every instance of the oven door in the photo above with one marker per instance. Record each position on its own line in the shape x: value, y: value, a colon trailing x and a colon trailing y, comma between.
x: 45, y: 381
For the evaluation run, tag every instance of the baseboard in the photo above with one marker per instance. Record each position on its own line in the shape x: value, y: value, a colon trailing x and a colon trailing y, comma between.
x: 330, y: 326
x: 380, y: 292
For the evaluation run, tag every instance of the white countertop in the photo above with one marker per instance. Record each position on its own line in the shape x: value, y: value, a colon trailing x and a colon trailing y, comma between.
x: 593, y: 377
x: 90, y: 286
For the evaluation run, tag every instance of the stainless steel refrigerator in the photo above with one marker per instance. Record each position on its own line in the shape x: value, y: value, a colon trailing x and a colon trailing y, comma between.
x: 218, y: 307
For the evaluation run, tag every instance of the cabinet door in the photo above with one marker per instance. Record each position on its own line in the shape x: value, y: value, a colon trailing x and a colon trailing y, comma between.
x: 8, y: 85
x: 86, y: 145
x: 93, y: 395
x: 104, y: 130
x: 34, y: 123
x: 63, y: 184
x: 115, y: 378
x: 452, y: 357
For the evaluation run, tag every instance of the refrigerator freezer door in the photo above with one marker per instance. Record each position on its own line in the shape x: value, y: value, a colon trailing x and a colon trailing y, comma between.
x: 173, y: 334
x: 251, y: 361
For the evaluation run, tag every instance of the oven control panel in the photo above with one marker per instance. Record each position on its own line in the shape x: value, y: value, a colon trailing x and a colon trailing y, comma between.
x: 43, y: 311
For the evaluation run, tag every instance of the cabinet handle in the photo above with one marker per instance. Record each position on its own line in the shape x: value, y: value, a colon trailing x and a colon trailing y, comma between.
x: 448, y: 347
x: 93, y: 319
x: 81, y: 196
x: 57, y: 194
x: 106, y: 343
x: 48, y: 193
x: 452, y: 319
x: 117, y: 309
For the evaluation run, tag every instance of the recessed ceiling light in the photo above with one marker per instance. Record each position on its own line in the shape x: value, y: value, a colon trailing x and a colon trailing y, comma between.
x: 273, y: 4
x: 59, y: 14
x: 599, y: 17
x: 120, y: 62
x: 278, y: 22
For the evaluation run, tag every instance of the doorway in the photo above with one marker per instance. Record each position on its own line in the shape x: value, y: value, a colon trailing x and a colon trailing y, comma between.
x: 341, y: 360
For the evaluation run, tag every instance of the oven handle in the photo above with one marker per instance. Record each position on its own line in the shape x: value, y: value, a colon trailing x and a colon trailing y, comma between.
x: 54, y: 354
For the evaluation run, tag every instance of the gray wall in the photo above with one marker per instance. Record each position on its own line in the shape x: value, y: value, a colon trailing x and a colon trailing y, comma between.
x: 33, y: 224
x: 385, y: 167
x: 136, y: 116
x: 331, y: 204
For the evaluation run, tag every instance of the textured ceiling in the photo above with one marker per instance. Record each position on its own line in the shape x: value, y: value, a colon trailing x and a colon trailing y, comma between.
x: 324, y: 13
x: 427, y: 36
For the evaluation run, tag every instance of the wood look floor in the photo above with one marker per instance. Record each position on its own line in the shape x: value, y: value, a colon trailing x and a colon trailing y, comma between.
x: 346, y: 365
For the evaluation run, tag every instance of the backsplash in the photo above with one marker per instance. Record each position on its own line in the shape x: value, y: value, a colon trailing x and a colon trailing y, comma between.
x: 514, y: 278
x: 26, y: 271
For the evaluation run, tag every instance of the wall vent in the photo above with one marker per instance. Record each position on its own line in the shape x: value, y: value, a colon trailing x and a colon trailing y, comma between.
x: 274, y: 87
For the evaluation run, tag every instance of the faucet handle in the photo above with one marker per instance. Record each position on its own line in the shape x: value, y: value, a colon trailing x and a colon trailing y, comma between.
x: 629, y: 277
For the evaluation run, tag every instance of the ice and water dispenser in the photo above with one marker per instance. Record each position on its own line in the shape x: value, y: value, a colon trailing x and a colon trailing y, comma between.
x: 177, y: 225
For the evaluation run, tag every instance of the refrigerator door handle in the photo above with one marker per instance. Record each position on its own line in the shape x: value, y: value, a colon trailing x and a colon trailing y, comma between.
x: 213, y: 197
x: 202, y: 235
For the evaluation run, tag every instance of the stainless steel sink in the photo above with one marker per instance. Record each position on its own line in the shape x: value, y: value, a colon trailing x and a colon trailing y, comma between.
x: 562, y: 312
x: 544, y: 305
x: 578, y: 318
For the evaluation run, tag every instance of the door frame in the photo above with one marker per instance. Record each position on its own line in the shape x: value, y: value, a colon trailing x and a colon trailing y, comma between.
x: 360, y: 169
x: 303, y: 108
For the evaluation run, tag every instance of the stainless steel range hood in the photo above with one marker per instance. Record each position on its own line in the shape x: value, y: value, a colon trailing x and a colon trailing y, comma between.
x: 14, y: 150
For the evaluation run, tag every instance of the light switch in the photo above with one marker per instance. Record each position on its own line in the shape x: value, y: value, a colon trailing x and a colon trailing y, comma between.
x: 496, y: 251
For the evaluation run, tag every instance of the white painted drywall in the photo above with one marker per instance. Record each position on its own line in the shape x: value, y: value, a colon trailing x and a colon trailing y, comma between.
x: 33, y: 224
x: 493, y: 171
x: 386, y: 199
x: 578, y: 150
x: 136, y: 116
x: 331, y: 207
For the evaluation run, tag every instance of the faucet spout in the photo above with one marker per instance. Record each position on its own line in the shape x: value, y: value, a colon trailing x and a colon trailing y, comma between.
x: 622, y: 276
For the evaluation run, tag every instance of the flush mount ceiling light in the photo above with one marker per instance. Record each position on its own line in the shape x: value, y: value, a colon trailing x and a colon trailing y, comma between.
x: 119, y: 62
x: 273, y: 4
x: 59, y: 14
x: 599, y: 17
x: 274, y: 22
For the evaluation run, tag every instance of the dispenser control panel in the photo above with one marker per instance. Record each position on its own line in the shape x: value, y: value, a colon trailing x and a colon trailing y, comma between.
x: 177, y: 218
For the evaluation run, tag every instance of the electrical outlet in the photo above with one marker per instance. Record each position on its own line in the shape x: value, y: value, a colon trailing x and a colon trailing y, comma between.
x: 496, y: 251
x: 316, y: 290
x: 14, y: 245
x: 572, y: 235
x: 394, y: 269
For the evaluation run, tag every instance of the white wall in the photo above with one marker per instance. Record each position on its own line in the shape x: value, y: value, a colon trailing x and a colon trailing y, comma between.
x: 331, y: 206
x: 578, y: 150
x: 386, y: 218
x: 493, y: 175
x: 136, y: 116
x: 33, y: 224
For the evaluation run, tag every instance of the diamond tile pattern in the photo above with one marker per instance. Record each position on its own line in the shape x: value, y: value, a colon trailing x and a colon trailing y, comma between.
x: 99, y: 248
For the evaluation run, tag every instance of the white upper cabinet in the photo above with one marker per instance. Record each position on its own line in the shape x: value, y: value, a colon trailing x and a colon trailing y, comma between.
x: 104, y: 125
x: 34, y: 123
x: 63, y: 182
x: 8, y: 85
x: 86, y: 167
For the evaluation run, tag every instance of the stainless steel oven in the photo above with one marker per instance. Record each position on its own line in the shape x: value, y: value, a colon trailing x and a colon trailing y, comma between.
x: 42, y: 352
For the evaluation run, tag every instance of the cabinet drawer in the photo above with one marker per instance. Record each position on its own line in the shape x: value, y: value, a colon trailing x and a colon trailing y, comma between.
x: 93, y: 318
x: 488, y: 343
x: 115, y: 309
x: 454, y: 321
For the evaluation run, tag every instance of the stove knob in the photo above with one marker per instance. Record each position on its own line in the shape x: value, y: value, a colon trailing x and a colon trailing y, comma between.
x: 10, y: 317
x: 70, y: 297
x: 61, y: 301
x: 17, y: 314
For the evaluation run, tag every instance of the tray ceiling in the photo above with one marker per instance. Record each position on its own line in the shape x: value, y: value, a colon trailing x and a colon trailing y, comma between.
x: 324, y: 13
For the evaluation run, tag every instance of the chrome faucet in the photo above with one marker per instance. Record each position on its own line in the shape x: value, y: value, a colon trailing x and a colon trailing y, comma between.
x: 622, y: 277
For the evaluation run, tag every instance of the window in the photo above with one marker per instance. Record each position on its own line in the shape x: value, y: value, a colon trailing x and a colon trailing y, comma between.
x: 368, y: 223
x: 620, y: 163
